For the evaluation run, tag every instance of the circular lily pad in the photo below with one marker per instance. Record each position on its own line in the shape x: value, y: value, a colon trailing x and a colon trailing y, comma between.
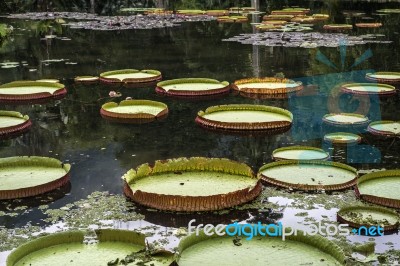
x: 267, y: 27
x: 269, y: 87
x: 357, y: 216
x: 192, y: 184
x: 13, y: 123
x: 380, y: 188
x: 49, y: 80
x: 299, y: 153
x: 261, y: 250
x: 384, y: 77
x: 130, y: 76
x: 342, y: 138
x: 290, y: 11
x: 346, y: 119
x: 369, y: 89
x: 245, y: 117
x: 278, y: 17
x: 134, y: 111
x: 309, y: 175
x: 192, y: 87
x: 385, y: 128
x: 303, y: 19
x: 369, y: 25
x: 217, y: 13
x: 275, y: 22
x: 190, y: 12
x: 338, y: 27
x: 31, y: 91
x: 320, y: 16
x: 68, y: 248
x: 86, y: 79
x: 232, y: 19
x: 389, y: 10
x: 22, y: 177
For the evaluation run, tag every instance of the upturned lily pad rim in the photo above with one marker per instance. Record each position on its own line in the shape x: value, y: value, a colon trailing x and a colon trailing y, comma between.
x: 369, y: 76
x: 389, y: 10
x: 356, y: 224
x: 59, y: 92
x: 338, y: 27
x: 16, y: 129
x: 187, y: 93
x: 369, y: 25
x: 306, y: 187
x: 191, y: 203
x: 75, y: 236
x: 244, y: 126
x: 86, y: 79
x: 382, y: 132
x: 341, y: 141
x: 298, y: 147
x: 341, y: 123
x: 104, y: 78
x: 317, y: 241
x: 106, y: 110
x: 281, y: 90
x: 38, y: 189
x: 232, y: 19
x: 347, y: 88
x: 380, y: 200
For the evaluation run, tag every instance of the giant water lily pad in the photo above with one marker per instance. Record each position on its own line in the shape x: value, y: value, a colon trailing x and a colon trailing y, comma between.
x: 338, y: 27
x: 192, y: 184
x: 342, y: 138
x: 192, y: 87
x: 13, y: 123
x: 309, y: 175
x: 278, y: 17
x: 357, y: 216
x: 115, y: 247
x: 245, y: 117
x: 369, y: 89
x: 381, y: 188
x: 369, y: 25
x: 346, y: 119
x: 130, y: 76
x: 31, y: 91
x: 384, y: 77
x: 389, y: 10
x: 232, y: 19
x: 385, y: 128
x: 299, y: 153
x: 270, y: 87
x: 86, y: 79
x: 30, y: 176
x: 135, y: 111
x: 261, y: 250
x: 190, y: 12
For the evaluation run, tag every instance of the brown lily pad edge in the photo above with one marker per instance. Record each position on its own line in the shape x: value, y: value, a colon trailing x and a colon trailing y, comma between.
x: 281, y: 92
x: 373, y: 77
x: 191, y: 203
x: 363, y: 123
x: 382, y: 133
x: 291, y: 148
x: 12, y: 131
x: 41, y: 97
x: 156, y: 76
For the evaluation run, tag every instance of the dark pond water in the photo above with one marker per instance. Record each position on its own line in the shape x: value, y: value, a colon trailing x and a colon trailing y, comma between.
x: 101, y: 152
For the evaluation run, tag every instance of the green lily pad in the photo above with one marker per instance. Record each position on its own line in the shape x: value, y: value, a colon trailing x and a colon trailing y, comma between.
x: 242, y: 117
x: 385, y: 128
x: 357, y: 216
x: 192, y: 87
x: 134, y: 110
x: 299, y: 153
x: 84, y: 79
x: 48, y: 80
x: 369, y: 88
x: 309, y: 175
x: 389, y: 10
x: 270, y: 86
x: 115, y: 247
x: 130, y: 76
x: 31, y: 90
x: 13, y: 123
x: 30, y: 176
x: 338, y: 27
x: 192, y: 184
x: 342, y: 138
x: 384, y: 77
x: 265, y: 250
x: 346, y: 119
x: 381, y: 188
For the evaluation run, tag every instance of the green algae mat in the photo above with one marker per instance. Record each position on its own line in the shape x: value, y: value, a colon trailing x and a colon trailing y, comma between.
x: 245, y: 117
x: 299, y: 153
x: 135, y: 111
x: 192, y: 87
x: 13, y: 123
x: 357, y: 216
x: 114, y: 247
x: 309, y: 175
x: 192, y: 184
x: 30, y: 176
x: 266, y: 250
x: 381, y: 188
x: 130, y: 76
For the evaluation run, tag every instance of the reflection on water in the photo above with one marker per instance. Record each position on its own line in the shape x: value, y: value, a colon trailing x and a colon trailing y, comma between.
x: 101, y: 152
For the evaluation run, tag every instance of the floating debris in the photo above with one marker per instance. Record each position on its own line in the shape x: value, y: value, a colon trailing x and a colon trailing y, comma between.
x: 305, y: 40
